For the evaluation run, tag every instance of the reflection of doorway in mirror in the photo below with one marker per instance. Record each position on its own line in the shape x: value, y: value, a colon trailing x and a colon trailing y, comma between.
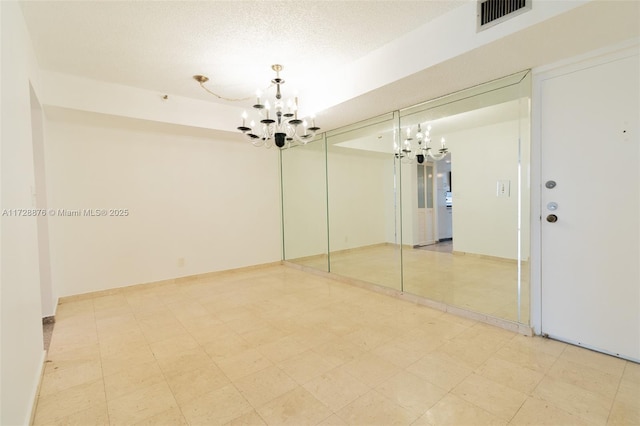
x: 425, y: 211
x: 445, y: 200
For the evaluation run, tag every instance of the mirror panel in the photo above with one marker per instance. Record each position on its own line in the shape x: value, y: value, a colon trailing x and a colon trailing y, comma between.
x: 356, y: 204
x: 524, y: 187
x: 467, y: 251
x: 363, y: 200
x: 304, y: 204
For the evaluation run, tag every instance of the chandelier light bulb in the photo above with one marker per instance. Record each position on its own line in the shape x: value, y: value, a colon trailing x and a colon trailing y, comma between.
x: 267, y: 106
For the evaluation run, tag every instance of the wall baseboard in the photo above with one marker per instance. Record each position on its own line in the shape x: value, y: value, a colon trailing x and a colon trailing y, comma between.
x: 36, y: 391
x: 177, y: 280
x: 419, y: 300
x: 485, y: 256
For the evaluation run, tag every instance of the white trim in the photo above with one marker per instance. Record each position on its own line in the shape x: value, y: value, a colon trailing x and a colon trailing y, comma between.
x: 31, y: 409
x: 606, y: 54
x: 594, y: 58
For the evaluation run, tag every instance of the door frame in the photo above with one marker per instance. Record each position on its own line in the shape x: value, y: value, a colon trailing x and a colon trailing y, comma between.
x: 539, y: 75
x: 434, y: 227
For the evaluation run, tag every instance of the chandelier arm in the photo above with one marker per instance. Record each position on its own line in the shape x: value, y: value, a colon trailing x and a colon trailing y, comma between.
x: 257, y: 142
x: 303, y: 139
x: 436, y: 157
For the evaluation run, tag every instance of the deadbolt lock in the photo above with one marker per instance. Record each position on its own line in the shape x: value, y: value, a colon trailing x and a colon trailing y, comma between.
x: 550, y: 184
x: 552, y: 218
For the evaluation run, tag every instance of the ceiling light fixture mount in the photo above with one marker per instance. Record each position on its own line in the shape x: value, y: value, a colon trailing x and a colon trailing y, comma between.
x: 202, y: 79
x: 284, y: 126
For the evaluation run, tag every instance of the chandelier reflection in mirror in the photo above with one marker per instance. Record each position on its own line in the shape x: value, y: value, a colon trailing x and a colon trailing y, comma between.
x: 278, y: 121
x: 407, y: 153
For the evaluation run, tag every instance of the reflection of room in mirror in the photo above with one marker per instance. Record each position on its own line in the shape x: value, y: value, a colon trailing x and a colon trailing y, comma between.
x: 404, y: 225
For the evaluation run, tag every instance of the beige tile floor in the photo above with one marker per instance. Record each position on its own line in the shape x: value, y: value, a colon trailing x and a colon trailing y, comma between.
x: 277, y: 345
x: 479, y: 284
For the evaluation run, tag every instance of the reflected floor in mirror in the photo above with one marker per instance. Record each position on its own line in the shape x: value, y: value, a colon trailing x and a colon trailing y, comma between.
x: 441, y: 246
x: 480, y: 284
x: 277, y: 345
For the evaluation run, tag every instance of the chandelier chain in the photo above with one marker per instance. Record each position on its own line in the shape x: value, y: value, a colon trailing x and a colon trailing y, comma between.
x: 229, y: 99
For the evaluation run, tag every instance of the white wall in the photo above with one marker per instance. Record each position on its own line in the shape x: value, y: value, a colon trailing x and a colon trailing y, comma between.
x: 79, y: 93
x: 197, y: 200
x: 48, y: 296
x: 391, y: 188
x: 21, y: 318
x: 409, y: 203
x: 482, y: 222
x: 304, y: 184
x: 445, y: 37
x: 358, y: 195
x: 362, y: 203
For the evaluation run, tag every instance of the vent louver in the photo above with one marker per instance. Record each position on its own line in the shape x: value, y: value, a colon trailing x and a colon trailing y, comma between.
x: 492, y: 12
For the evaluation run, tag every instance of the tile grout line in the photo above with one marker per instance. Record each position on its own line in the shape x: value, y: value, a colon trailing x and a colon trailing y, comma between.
x: 615, y: 395
x: 104, y: 384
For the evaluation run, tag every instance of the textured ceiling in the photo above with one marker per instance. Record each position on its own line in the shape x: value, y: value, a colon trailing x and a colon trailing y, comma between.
x: 160, y: 45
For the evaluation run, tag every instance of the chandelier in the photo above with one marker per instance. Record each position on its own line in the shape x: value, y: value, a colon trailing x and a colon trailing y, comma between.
x: 283, y: 125
x: 407, y: 153
x: 276, y: 121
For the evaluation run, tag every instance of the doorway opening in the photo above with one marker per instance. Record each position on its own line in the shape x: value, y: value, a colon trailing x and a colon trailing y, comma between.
x: 435, y: 206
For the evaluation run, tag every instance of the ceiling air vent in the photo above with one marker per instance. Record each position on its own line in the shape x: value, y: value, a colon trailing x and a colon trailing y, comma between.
x: 492, y: 12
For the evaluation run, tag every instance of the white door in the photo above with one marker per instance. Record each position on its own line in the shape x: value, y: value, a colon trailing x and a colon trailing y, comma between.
x: 590, y: 162
x: 425, y: 211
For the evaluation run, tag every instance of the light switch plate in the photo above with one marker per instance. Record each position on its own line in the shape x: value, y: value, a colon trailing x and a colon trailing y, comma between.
x: 503, y: 188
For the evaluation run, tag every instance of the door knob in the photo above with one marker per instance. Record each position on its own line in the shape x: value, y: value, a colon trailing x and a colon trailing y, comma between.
x: 552, y: 218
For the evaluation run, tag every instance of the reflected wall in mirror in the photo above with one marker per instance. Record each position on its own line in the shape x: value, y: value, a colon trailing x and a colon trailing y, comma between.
x: 474, y: 253
x: 304, y: 204
x: 363, y: 199
x: 454, y: 231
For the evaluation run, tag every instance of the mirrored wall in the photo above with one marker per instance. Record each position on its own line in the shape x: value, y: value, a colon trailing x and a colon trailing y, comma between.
x: 303, y: 177
x: 368, y: 202
x: 364, y: 199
